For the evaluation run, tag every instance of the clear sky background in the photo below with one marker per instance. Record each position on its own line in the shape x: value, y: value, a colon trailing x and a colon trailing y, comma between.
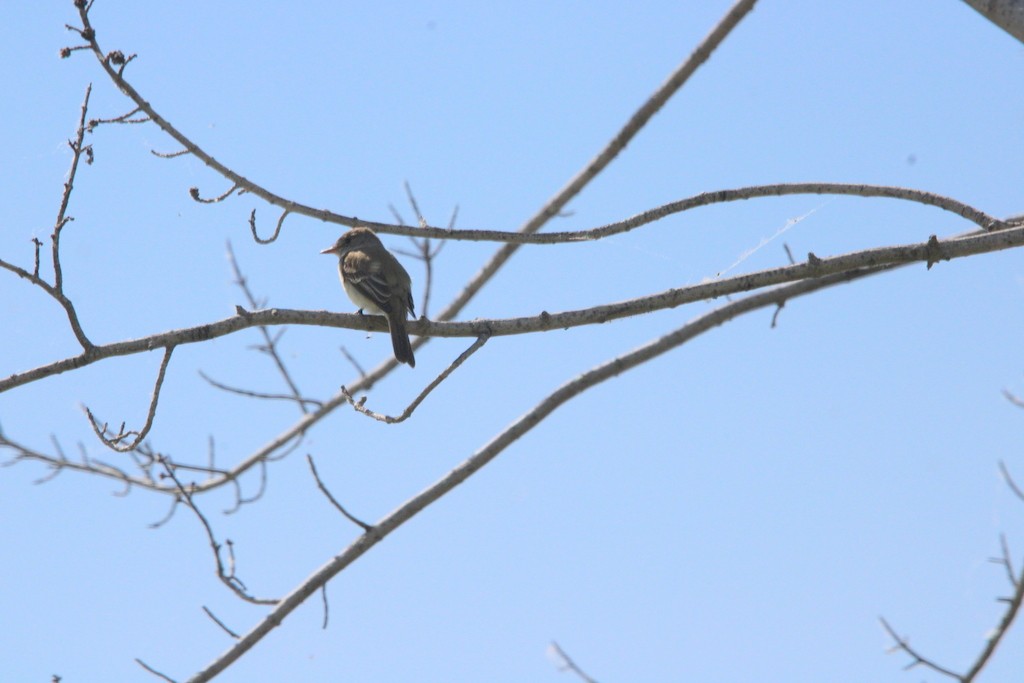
x: 743, y: 508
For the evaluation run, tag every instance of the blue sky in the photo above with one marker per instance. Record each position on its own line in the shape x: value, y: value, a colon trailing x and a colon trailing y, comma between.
x: 748, y: 503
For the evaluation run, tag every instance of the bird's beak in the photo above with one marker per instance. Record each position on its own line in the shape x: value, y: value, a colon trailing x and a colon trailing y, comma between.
x: 330, y: 250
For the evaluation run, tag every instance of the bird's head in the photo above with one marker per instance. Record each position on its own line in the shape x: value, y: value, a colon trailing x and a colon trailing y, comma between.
x: 356, y: 238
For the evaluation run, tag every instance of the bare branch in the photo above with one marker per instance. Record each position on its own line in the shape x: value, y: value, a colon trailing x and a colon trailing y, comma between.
x: 323, y: 595
x: 553, y: 208
x: 334, y: 501
x: 902, y: 644
x: 815, y: 267
x: 270, y: 347
x: 153, y: 671
x: 355, y: 364
x: 116, y: 441
x: 107, y: 62
x: 277, y: 230
x: 565, y: 662
x: 166, y: 518
x: 420, y: 220
x: 427, y: 255
x: 1013, y: 604
x: 605, y: 156
x: 823, y: 270
x: 35, y: 267
x: 169, y: 155
x: 1013, y: 398
x: 78, y: 148
x: 86, y: 465
x: 1005, y: 560
x: 54, y: 471
x: 360, y: 407
x: 976, y: 216
x: 123, y: 118
x: 1006, y: 14
x: 1009, y: 480
x: 241, y: 500
x: 492, y: 449
x: 32, y: 277
x: 425, y: 252
x: 260, y: 394
x: 220, y: 623
x: 227, y: 576
x: 194, y: 193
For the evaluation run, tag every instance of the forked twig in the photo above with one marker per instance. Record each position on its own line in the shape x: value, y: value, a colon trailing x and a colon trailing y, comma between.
x: 992, y: 641
x: 56, y: 290
x: 270, y: 343
x: 117, y: 441
x: 226, y: 575
x: 903, y: 644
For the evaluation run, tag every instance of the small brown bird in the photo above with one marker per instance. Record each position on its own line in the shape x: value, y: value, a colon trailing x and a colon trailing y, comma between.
x: 377, y: 283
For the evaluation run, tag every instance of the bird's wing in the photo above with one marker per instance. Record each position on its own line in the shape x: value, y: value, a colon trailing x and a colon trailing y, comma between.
x: 365, y: 274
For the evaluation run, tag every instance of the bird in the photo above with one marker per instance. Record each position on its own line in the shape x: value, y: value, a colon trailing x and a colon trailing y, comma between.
x: 377, y: 283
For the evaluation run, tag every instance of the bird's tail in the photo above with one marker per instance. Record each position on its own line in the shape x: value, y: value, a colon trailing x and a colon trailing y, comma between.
x: 400, y: 340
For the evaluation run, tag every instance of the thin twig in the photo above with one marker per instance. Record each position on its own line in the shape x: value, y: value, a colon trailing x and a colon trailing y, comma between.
x: 1013, y: 398
x: 334, y: 501
x: 996, y: 637
x: 565, y: 662
x: 116, y: 442
x: 35, y: 267
x: 1013, y: 603
x: 153, y: 671
x: 166, y: 518
x: 271, y: 342
x: 420, y: 220
x: 355, y: 364
x: 219, y: 623
x: 259, y: 394
x: 360, y: 407
x: 277, y: 230
x: 427, y: 255
x: 78, y: 147
x: 169, y: 155
x: 1009, y: 480
x: 1005, y: 560
x: 241, y: 500
x: 123, y: 118
x: 194, y: 193
x: 902, y: 644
